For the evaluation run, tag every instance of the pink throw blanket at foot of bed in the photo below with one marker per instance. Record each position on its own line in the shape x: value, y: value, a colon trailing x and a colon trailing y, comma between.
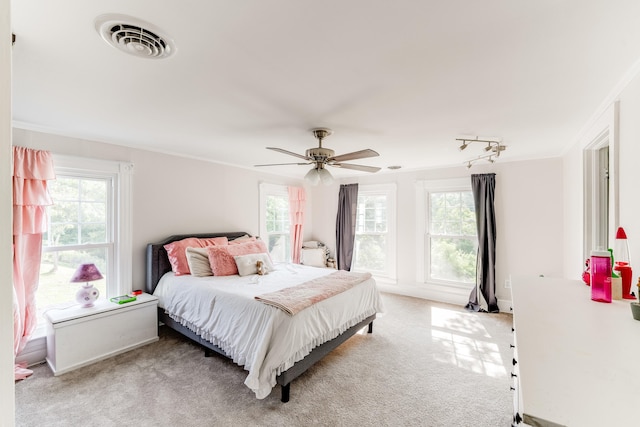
x: 296, y: 298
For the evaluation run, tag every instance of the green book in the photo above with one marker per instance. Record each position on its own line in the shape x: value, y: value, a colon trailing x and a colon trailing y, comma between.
x: 123, y: 299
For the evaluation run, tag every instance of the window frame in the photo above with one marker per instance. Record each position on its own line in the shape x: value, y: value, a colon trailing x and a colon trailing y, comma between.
x: 600, y: 205
x: 423, y: 191
x: 119, y: 252
x: 267, y: 190
x: 390, y: 191
x: 597, y: 198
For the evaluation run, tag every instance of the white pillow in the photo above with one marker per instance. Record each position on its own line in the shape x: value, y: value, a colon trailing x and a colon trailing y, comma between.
x: 247, y: 264
x: 198, y: 260
x: 313, y: 257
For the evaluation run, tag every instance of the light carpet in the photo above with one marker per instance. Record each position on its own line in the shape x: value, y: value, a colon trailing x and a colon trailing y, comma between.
x: 426, y: 364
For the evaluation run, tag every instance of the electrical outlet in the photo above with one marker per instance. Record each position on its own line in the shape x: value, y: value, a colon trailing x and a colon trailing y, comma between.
x: 507, y: 283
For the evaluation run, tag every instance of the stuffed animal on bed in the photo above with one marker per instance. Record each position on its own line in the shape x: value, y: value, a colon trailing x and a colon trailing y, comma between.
x: 260, y: 267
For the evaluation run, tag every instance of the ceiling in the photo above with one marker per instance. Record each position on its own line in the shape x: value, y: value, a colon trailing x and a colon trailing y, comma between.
x: 404, y: 78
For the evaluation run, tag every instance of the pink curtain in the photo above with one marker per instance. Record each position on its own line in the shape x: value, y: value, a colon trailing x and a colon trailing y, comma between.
x: 296, y: 214
x: 31, y: 170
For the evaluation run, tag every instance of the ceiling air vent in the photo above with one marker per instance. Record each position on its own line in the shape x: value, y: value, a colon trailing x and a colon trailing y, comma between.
x: 134, y: 36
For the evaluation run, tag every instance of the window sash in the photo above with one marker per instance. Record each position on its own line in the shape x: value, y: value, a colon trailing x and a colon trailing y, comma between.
x: 78, y: 220
x: 375, y: 219
x: 275, y: 227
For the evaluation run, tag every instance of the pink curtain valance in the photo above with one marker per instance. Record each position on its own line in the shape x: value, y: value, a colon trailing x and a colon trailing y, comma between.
x: 31, y: 170
x: 32, y: 164
x: 297, y: 202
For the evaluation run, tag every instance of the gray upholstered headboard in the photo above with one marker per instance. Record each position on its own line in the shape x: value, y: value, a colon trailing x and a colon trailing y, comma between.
x: 158, y: 261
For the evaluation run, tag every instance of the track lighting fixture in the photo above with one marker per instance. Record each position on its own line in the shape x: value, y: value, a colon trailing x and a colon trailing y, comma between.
x: 493, y: 149
x: 498, y: 148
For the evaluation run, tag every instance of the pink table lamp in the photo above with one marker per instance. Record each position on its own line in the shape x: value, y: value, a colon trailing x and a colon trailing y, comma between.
x: 87, y: 294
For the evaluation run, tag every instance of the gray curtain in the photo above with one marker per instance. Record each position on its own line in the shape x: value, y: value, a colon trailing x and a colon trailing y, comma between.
x: 483, y: 296
x: 346, y: 225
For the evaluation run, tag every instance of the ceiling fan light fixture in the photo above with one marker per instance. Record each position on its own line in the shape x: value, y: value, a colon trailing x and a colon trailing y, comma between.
x: 325, y: 176
x: 312, y: 177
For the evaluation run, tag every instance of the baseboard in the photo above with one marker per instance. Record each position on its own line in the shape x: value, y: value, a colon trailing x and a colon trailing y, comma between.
x: 455, y: 296
x: 34, y: 352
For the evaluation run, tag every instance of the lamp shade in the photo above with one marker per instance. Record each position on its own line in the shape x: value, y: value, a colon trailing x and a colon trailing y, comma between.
x: 87, y: 294
x: 86, y: 273
x: 312, y: 177
x: 325, y: 176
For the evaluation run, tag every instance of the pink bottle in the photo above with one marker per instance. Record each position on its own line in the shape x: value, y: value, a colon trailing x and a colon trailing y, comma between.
x: 600, y: 266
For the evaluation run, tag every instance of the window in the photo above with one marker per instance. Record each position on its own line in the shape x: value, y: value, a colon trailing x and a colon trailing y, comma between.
x: 601, y: 204
x: 88, y: 223
x: 596, y: 200
x: 374, y: 247
x: 275, y: 221
x: 450, y: 244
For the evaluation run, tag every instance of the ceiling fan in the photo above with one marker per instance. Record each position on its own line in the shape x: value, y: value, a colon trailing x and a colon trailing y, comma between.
x: 320, y: 157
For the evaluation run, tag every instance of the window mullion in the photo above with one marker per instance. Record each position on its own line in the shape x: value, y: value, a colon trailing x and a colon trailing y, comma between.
x: 76, y: 247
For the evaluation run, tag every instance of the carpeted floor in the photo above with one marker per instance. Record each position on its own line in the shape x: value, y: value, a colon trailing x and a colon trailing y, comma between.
x: 426, y: 364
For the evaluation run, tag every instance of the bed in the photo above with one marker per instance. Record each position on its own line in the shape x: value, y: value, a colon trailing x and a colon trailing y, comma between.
x: 274, y: 346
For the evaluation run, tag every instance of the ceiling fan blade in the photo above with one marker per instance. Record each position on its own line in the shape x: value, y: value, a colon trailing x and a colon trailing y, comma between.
x: 291, y: 153
x: 283, y: 164
x: 356, y: 167
x: 362, y: 154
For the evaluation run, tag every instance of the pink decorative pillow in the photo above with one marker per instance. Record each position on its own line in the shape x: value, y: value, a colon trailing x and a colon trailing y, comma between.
x: 176, y: 251
x: 221, y: 257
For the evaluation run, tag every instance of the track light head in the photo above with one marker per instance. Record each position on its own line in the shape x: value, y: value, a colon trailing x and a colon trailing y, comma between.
x: 464, y: 145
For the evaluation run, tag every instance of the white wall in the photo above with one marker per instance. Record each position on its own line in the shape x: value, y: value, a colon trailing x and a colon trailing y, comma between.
x: 171, y: 195
x: 7, y: 405
x: 629, y: 168
x: 573, y: 263
x: 623, y: 121
x: 574, y: 186
x: 529, y: 206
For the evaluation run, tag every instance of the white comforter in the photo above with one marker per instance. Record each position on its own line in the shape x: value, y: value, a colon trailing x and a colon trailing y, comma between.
x: 262, y: 338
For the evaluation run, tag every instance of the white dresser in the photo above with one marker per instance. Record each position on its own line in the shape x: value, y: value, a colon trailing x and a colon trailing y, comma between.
x: 577, y: 361
x: 79, y: 336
